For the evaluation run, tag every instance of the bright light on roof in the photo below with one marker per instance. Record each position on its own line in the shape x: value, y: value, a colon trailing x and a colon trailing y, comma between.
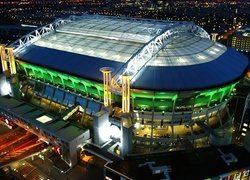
x: 216, y: 49
x: 201, y: 57
x: 212, y: 52
x: 120, y: 39
x: 44, y: 119
x: 182, y: 60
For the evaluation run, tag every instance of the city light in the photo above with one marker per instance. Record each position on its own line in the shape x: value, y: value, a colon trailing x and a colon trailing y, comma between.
x: 137, y: 125
x: 104, y: 132
x: 5, y: 88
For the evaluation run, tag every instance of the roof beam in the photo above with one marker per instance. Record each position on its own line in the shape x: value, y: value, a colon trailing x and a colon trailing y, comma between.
x: 135, y: 65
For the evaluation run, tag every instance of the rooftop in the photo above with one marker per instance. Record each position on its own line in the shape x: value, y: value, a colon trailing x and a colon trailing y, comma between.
x: 198, y: 164
x: 40, y: 118
x: 70, y: 132
x: 243, y: 32
x: 187, y: 61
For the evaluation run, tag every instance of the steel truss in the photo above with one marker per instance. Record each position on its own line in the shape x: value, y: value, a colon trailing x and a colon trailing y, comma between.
x: 37, y: 34
x: 50, y: 28
x: 135, y: 65
x: 138, y: 61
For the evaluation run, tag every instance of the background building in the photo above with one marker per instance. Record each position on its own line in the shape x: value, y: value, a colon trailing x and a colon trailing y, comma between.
x: 240, y: 39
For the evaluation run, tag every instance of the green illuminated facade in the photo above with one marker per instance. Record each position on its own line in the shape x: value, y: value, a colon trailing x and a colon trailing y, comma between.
x: 142, y: 99
x: 58, y: 66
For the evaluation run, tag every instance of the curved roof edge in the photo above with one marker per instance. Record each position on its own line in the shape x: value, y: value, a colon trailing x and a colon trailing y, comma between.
x: 227, y: 69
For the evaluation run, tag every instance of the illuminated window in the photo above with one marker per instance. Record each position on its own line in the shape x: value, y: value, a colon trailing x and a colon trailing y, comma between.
x: 44, y: 119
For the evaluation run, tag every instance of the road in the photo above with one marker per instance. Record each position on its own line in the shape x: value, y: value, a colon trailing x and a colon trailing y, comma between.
x: 18, y: 144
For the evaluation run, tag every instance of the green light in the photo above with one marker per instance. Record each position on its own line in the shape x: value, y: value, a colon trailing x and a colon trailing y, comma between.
x: 61, y: 79
x: 162, y: 101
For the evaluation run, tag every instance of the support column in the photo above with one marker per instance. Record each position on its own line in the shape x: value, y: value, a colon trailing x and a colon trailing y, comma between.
x: 61, y: 104
x: 229, y: 116
x: 223, y: 93
x: 210, y: 99
x: 207, y: 118
x: 125, y: 94
x: 106, y: 71
x: 126, y: 134
x: 11, y: 71
x: 3, y: 59
x: 53, y: 94
x: 43, y: 90
x: 219, y: 117
x: 173, y: 118
x: 11, y: 58
x: 152, y: 123
x: 33, y: 91
x: 214, y: 36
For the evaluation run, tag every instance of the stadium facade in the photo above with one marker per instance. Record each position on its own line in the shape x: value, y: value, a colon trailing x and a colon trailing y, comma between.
x: 143, y: 84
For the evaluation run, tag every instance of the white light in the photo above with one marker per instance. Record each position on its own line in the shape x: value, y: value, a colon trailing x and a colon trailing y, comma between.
x: 216, y: 49
x: 243, y: 134
x: 201, y: 57
x: 244, y: 129
x: 104, y: 132
x: 91, y: 52
x: 212, y: 52
x: 137, y: 116
x: 44, y: 119
x: 79, y: 49
x: 115, y: 131
x: 182, y: 60
x: 44, y: 140
x: 104, y: 54
x: 137, y: 125
x: 28, y: 25
x: 5, y: 88
x: 117, y: 56
x: 245, y: 124
x: 59, y: 46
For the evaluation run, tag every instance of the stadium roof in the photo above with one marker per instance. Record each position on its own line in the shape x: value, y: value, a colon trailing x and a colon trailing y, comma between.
x: 82, y: 45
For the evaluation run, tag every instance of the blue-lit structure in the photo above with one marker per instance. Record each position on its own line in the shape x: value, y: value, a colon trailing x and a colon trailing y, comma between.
x: 161, y: 81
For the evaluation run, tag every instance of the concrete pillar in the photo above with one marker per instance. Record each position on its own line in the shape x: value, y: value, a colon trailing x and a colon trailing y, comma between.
x: 126, y: 139
x: 101, y: 128
x: 214, y: 36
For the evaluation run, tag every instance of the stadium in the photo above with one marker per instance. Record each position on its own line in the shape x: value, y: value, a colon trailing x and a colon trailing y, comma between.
x: 143, y: 84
